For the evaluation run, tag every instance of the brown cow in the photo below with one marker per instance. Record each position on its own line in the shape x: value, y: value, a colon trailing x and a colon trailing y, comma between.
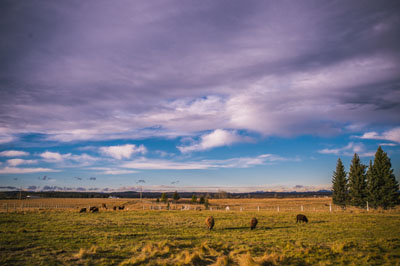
x: 210, y: 222
x: 253, y: 223
x: 115, y: 208
x: 104, y: 206
x: 301, y: 218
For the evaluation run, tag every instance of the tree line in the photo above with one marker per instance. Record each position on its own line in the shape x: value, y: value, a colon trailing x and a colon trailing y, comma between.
x: 374, y: 185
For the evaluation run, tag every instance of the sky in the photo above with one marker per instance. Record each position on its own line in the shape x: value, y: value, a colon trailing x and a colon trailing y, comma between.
x: 195, y: 95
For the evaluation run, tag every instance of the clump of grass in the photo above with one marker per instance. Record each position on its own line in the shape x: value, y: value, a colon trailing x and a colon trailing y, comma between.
x: 85, y: 253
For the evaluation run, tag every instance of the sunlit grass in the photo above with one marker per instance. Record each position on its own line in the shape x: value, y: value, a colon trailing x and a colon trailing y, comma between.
x: 181, y: 238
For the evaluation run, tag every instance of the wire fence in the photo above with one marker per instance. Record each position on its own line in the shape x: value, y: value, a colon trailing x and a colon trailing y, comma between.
x: 29, y: 206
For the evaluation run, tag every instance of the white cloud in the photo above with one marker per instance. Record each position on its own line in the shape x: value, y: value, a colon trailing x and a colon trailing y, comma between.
x: 13, y: 153
x: 348, y: 150
x: 390, y: 135
x: 16, y: 162
x: 389, y: 144
x: 113, y: 171
x: 15, y: 170
x: 241, y: 162
x: 217, y: 138
x: 68, y: 159
x: 123, y: 151
x: 53, y: 156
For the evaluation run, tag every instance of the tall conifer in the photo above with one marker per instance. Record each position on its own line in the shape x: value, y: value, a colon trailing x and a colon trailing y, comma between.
x: 357, y: 183
x: 339, y: 185
x: 382, y: 185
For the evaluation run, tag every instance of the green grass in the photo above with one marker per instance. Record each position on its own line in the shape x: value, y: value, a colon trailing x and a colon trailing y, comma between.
x: 181, y: 238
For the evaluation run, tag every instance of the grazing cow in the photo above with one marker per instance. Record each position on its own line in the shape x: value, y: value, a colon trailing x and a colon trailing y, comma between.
x: 94, y: 209
x: 115, y: 208
x: 210, y: 222
x: 121, y: 207
x: 253, y: 223
x: 301, y: 218
x: 104, y: 206
x: 82, y: 210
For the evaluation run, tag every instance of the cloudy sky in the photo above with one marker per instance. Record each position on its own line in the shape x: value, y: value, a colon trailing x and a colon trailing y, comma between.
x: 195, y: 95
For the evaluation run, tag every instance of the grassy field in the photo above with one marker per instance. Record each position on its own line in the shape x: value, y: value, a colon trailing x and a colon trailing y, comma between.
x: 149, y: 237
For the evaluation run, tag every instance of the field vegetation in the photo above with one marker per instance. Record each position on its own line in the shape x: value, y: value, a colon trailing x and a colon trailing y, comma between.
x: 43, y: 236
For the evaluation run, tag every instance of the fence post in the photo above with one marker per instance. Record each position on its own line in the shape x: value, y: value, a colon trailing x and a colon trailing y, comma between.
x: 367, y: 206
x: 330, y: 207
x: 258, y: 208
x: 241, y: 209
x: 278, y: 208
x: 302, y: 208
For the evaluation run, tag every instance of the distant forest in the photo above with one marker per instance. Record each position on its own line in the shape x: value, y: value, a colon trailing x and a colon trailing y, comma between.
x: 135, y: 194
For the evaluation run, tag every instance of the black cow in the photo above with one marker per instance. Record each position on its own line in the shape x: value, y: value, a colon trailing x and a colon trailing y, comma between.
x: 115, y: 208
x: 94, y: 209
x: 253, y: 223
x: 301, y: 218
x: 121, y: 207
x: 83, y: 210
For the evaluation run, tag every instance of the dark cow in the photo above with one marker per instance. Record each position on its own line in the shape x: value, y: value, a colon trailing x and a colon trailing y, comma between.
x: 115, y: 208
x: 83, y: 210
x: 210, y: 222
x: 253, y: 223
x: 94, y: 209
x: 301, y: 218
x: 121, y: 207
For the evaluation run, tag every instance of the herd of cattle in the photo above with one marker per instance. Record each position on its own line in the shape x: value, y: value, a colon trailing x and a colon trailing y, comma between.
x: 104, y: 206
x: 253, y: 222
x: 210, y: 222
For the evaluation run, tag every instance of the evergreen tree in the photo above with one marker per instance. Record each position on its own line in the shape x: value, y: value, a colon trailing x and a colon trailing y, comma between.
x: 194, y: 198
x: 164, y: 198
x: 373, y: 186
x: 206, y: 204
x: 201, y: 200
x: 339, y: 185
x: 176, y: 196
x: 357, y: 183
x: 382, y: 171
x: 382, y: 184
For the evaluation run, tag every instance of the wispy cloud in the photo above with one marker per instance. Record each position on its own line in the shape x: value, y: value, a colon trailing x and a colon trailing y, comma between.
x: 15, y: 170
x: 13, y: 153
x: 123, y: 151
x: 390, y: 135
x: 16, y: 162
x: 113, y: 171
x: 68, y: 158
x: 217, y: 138
x: 348, y: 150
x: 241, y: 162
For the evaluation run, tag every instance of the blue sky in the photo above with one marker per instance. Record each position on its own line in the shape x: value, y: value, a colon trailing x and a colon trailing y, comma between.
x: 172, y: 95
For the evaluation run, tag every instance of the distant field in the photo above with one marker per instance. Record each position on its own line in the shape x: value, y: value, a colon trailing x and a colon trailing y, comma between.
x: 152, y: 237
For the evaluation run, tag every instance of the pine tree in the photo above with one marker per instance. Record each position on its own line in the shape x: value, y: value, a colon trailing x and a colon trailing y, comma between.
x: 164, y: 198
x: 339, y: 185
x: 383, y: 170
x: 381, y: 182
x: 373, y: 186
x: 176, y: 196
x: 357, y: 183
x: 194, y: 198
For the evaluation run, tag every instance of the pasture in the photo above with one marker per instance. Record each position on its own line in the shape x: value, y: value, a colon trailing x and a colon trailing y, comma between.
x: 61, y: 235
